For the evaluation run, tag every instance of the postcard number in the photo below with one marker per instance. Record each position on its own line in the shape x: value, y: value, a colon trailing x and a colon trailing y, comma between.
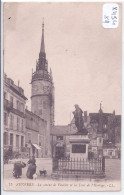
x: 110, y: 18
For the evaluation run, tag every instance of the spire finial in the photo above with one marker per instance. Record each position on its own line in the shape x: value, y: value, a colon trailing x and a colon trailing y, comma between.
x: 43, y: 24
x: 42, y: 49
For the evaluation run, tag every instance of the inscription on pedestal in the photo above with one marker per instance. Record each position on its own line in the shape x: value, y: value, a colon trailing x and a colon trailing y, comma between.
x: 79, y: 146
x: 76, y: 148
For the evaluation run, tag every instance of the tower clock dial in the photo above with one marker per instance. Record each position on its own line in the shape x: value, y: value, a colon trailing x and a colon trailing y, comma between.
x: 46, y: 89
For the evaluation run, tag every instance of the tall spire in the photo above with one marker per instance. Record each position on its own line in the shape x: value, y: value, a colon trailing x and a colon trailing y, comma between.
x: 42, y: 48
x: 42, y: 62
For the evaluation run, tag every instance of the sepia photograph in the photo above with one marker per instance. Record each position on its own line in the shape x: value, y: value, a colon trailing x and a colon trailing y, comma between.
x: 62, y: 96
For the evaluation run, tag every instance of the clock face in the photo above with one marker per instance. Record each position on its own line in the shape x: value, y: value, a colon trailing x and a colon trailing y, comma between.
x: 40, y: 88
x: 46, y: 89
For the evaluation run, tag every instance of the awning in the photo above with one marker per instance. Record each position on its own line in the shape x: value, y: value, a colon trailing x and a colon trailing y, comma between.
x: 36, y: 146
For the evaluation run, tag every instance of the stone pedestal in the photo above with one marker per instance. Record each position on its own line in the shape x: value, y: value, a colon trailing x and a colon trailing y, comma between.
x: 79, y: 146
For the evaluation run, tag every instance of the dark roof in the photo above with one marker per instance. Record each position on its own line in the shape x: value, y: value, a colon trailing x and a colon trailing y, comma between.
x: 17, y: 92
x: 17, y: 89
x: 106, y: 117
x: 28, y: 112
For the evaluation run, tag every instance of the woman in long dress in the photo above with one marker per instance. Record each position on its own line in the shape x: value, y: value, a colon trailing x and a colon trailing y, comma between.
x: 31, y: 168
x: 17, y: 170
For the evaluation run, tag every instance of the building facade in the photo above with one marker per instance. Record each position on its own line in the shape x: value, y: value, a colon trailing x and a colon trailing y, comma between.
x: 29, y: 131
x: 42, y: 97
x: 108, y: 128
x: 14, y: 117
x: 35, y: 135
x: 104, y: 133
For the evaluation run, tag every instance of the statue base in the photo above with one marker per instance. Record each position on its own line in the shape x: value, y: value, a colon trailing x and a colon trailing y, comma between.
x: 79, y: 146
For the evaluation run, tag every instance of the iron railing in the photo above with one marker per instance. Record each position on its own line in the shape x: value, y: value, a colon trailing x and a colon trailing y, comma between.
x: 9, y: 107
x: 79, y: 167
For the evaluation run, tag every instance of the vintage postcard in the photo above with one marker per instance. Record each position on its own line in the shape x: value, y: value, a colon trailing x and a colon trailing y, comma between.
x: 62, y: 96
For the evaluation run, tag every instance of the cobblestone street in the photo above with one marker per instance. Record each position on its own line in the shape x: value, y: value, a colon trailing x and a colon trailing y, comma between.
x: 113, y: 169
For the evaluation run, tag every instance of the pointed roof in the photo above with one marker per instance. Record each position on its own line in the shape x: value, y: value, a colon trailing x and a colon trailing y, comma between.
x: 42, y: 48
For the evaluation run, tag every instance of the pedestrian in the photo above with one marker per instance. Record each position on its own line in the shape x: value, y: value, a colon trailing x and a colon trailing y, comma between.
x: 31, y: 168
x: 32, y: 160
x: 17, y: 170
x: 6, y: 157
x: 10, y: 152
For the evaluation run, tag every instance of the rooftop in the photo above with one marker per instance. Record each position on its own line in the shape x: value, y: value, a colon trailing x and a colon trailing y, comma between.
x: 62, y: 130
x: 17, y: 89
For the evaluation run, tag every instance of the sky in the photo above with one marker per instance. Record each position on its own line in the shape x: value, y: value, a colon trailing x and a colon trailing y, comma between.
x: 85, y: 58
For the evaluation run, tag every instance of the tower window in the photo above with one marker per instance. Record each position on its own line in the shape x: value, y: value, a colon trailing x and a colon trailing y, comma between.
x: 45, y: 105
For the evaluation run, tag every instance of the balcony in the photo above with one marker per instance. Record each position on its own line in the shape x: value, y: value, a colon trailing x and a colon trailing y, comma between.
x: 18, y: 112
x: 8, y: 105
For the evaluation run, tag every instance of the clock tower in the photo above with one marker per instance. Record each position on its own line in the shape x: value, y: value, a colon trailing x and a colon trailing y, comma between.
x: 42, y: 94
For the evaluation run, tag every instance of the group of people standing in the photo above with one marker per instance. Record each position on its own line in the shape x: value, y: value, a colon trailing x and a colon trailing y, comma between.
x: 17, y: 171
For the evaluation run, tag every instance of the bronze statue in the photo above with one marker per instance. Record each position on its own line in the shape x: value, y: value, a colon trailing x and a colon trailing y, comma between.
x: 79, y: 120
